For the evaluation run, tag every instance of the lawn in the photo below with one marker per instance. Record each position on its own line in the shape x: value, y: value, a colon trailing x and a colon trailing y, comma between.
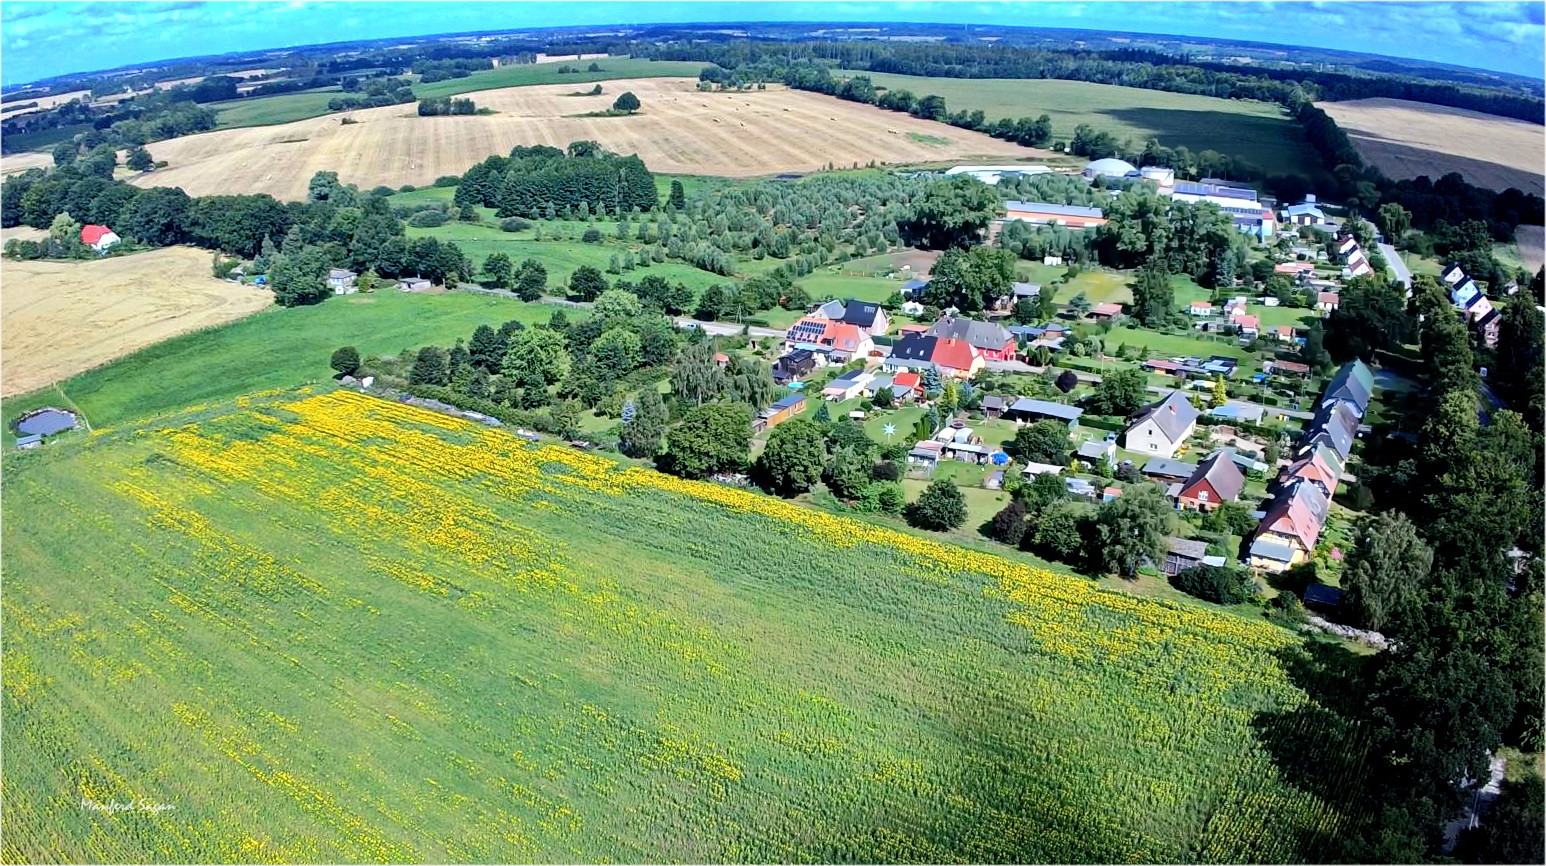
x: 277, y: 348
x: 339, y: 629
x: 270, y: 110
x: 1259, y: 132
x: 1099, y: 286
x: 519, y: 75
x: 692, y: 184
x: 424, y: 195
x: 825, y: 284
x: 1038, y: 273
x: 1173, y: 345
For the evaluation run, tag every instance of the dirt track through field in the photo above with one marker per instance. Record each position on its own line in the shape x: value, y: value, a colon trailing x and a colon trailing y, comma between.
x: 1407, y: 139
x: 679, y: 131
x: 61, y: 318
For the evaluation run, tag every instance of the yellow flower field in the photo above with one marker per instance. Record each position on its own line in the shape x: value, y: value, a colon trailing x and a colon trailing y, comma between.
x: 328, y: 627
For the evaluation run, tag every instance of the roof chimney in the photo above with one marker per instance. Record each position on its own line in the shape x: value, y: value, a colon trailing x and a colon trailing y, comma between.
x: 1309, y: 198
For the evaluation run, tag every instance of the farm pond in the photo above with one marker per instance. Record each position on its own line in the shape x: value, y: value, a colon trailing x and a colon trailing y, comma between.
x: 45, y: 422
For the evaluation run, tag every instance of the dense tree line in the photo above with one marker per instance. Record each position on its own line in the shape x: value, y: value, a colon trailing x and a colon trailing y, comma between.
x: 540, y: 181
x: 446, y: 105
x: 374, y: 93
x: 431, y: 71
x: 1449, y: 199
x: 1449, y: 569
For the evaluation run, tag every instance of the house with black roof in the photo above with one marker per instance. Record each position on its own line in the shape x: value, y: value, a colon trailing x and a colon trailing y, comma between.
x: 913, y: 352
x: 794, y: 366
x: 1353, y: 385
x: 863, y: 314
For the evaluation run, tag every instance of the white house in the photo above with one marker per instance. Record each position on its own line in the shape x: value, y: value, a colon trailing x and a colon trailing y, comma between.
x: 1307, y: 213
x: 342, y: 281
x: 1161, y: 428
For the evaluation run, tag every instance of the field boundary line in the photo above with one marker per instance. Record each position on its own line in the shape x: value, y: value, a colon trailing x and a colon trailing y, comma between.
x: 59, y: 389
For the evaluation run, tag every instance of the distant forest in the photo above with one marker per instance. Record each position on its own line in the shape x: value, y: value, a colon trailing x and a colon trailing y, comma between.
x: 1434, y: 203
x: 1130, y: 68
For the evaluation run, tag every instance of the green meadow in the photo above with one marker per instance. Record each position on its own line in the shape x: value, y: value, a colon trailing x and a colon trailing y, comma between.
x: 1259, y: 132
x: 276, y: 348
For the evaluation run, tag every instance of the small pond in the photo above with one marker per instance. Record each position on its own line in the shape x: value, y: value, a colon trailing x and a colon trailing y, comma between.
x: 45, y: 422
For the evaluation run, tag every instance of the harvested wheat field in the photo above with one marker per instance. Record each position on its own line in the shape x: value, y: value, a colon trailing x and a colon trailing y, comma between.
x: 47, y: 102
x: 22, y: 233
x: 679, y: 131
x: 23, y: 161
x: 65, y: 317
x: 1407, y: 139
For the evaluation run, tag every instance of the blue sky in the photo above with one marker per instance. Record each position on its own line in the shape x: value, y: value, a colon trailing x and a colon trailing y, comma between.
x: 39, y: 40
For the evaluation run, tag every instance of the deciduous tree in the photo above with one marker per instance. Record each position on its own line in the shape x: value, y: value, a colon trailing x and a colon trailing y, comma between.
x: 711, y: 438
x: 1008, y: 525
x: 531, y: 280
x: 1045, y: 441
x: 1132, y: 528
x: 940, y: 507
x: 536, y: 358
x: 697, y: 379
x: 430, y: 367
x: 791, y: 462
x: 1385, y: 570
x: 1120, y: 393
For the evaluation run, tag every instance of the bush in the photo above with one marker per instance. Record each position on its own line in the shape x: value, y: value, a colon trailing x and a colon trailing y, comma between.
x: 592, y: 236
x: 407, y: 187
x: 448, y: 180
x: 427, y: 219
x: 940, y: 507
x: 1008, y: 526
x: 381, y: 191
x: 1220, y: 585
x: 513, y: 224
x: 1286, y: 608
x: 346, y: 361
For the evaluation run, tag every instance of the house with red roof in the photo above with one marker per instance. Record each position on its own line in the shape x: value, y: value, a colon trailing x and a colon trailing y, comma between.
x: 1292, y: 526
x: 1313, y: 469
x: 905, y: 386
x: 838, y: 341
x: 994, y: 341
x: 98, y: 237
x: 1215, y: 481
x: 1250, y: 326
x: 1101, y: 312
x: 956, y: 358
